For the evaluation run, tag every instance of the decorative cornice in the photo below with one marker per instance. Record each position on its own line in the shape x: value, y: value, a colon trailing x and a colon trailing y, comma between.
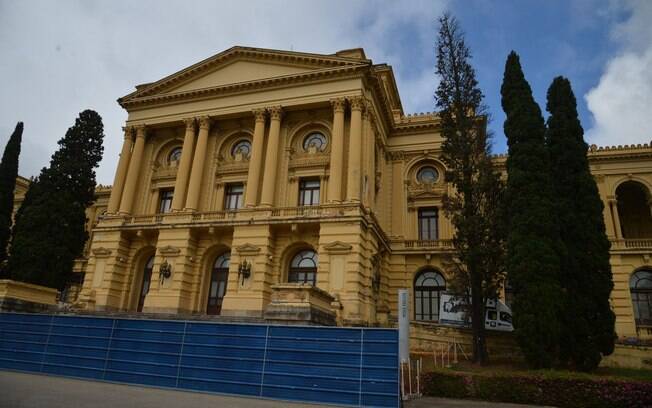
x: 245, y: 53
x: 169, y: 250
x: 338, y: 247
x: 247, y: 249
x: 101, y: 252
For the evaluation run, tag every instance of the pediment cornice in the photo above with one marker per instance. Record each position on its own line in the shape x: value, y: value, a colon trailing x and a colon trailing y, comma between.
x: 320, y: 63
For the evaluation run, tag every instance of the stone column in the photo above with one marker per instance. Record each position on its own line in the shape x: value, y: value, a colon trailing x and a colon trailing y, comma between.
x: 121, y: 172
x: 194, y: 186
x: 398, y: 197
x: 256, y: 160
x: 181, y: 184
x: 271, y: 158
x: 127, y: 198
x: 355, y: 150
x: 613, y: 203
x: 337, y: 151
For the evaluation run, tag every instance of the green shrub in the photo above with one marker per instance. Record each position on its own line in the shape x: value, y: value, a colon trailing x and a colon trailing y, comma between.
x: 540, y: 389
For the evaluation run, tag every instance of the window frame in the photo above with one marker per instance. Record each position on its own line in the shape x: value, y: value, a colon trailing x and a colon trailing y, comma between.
x: 641, y: 296
x: 303, y: 274
x: 238, y: 143
x: 173, y: 152
x: 432, y: 228
x: 309, y: 136
x: 312, y: 191
x: 429, y: 293
x: 229, y: 195
x: 165, y: 197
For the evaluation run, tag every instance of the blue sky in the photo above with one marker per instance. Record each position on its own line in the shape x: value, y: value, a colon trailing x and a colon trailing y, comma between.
x: 61, y: 57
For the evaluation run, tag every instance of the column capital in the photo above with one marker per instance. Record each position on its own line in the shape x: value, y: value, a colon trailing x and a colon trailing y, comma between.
x: 356, y: 102
x: 338, y: 104
x: 141, y: 131
x: 190, y: 123
x: 204, y: 122
x: 259, y: 114
x: 275, y: 112
x: 129, y: 132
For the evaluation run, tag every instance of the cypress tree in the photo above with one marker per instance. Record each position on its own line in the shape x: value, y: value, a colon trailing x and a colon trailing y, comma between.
x: 50, y: 227
x: 532, y: 234
x: 474, y: 207
x: 8, y: 174
x: 587, y: 322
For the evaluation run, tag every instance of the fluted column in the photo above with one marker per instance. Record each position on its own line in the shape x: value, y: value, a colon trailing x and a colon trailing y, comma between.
x: 337, y: 151
x: 121, y: 172
x: 355, y: 150
x: 271, y: 157
x: 183, y: 172
x: 127, y: 198
x: 194, y: 186
x: 256, y: 160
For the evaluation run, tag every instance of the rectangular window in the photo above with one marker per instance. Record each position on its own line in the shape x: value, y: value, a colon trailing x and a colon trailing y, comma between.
x: 233, y: 196
x: 309, y: 192
x: 428, y: 224
x: 165, y: 203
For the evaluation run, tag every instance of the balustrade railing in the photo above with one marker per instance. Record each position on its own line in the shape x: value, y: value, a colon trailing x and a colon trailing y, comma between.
x: 631, y: 243
x: 426, y: 243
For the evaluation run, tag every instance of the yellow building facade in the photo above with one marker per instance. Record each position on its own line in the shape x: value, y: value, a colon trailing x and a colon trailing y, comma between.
x: 292, y: 187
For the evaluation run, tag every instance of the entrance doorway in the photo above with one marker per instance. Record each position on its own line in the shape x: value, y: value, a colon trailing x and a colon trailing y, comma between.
x: 147, y: 279
x: 217, y: 286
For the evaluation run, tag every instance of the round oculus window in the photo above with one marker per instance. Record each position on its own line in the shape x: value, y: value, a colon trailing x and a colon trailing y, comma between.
x: 243, y: 147
x: 427, y: 175
x: 316, y: 140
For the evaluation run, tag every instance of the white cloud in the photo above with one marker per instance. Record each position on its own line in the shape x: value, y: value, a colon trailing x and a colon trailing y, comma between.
x: 60, y: 57
x: 621, y: 103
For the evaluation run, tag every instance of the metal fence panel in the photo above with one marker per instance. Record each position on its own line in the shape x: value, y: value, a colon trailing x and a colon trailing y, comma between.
x: 347, y: 366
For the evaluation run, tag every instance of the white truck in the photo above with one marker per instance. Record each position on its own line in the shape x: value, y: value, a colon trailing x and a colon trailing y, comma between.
x: 454, y: 311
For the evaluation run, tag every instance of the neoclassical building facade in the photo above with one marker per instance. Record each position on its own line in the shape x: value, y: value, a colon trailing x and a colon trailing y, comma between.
x: 292, y: 187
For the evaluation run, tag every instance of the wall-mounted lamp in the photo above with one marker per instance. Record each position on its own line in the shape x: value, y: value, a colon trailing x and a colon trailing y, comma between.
x: 165, y: 271
x: 244, y: 269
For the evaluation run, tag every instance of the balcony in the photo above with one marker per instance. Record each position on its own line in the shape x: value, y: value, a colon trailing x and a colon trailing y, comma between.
x: 422, y: 245
x: 632, y: 245
x: 235, y: 217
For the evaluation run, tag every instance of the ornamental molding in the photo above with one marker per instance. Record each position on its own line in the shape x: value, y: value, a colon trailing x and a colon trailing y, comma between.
x: 307, y: 160
x: 101, y: 252
x: 338, y: 247
x: 169, y: 250
x: 247, y: 249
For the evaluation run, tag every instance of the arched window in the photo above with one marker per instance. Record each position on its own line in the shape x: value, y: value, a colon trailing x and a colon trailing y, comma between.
x: 217, y: 285
x: 147, y: 279
x: 175, y: 155
x: 640, y: 286
x: 428, y: 287
x: 427, y: 175
x: 242, y: 147
x: 303, y: 267
x: 316, y: 140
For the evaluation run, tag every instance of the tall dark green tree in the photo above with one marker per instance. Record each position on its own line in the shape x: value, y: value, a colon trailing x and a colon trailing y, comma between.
x: 474, y: 207
x: 587, y: 322
x: 49, y: 230
x: 533, y: 242
x: 8, y: 174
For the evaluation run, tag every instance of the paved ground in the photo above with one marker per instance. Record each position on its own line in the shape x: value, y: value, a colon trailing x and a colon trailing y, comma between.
x: 18, y: 390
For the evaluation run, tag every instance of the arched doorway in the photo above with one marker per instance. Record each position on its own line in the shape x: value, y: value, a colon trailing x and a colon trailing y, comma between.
x: 303, y: 267
x: 147, y: 280
x: 428, y: 287
x: 217, y: 284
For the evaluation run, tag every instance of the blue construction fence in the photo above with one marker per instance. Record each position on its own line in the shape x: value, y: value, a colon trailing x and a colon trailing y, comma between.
x: 344, y: 366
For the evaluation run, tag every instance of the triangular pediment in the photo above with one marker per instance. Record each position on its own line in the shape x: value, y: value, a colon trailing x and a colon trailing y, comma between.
x: 240, y: 65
